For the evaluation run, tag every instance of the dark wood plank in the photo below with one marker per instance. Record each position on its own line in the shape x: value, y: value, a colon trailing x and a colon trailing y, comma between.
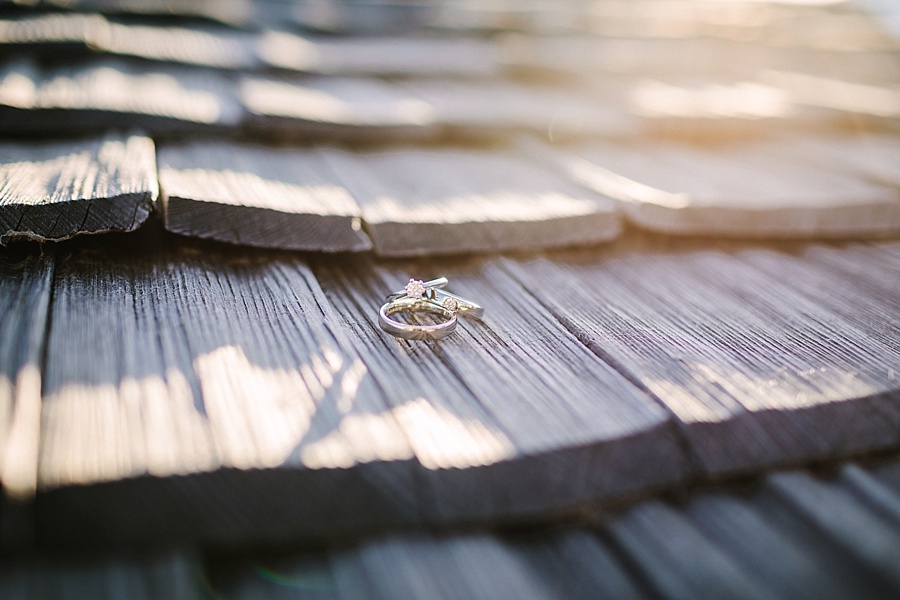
x: 106, y: 93
x: 222, y: 403
x: 439, y: 201
x: 864, y: 535
x: 879, y: 496
x: 461, y: 567
x: 294, y: 576
x: 239, y: 385
x: 746, y: 529
x: 334, y: 107
x: 505, y: 411
x: 24, y: 306
x: 677, y: 560
x: 380, y: 56
x: 756, y: 372
x: 258, y: 196
x: 745, y: 190
x: 53, y: 191
x: 577, y: 564
x: 173, y: 575
x: 722, y: 541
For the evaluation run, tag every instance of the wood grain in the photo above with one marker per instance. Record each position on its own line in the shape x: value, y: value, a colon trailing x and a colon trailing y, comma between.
x: 500, y: 406
x: 106, y: 93
x: 871, y: 309
x: 24, y: 304
x: 355, y: 109
x: 258, y: 196
x: 757, y: 371
x: 53, y: 191
x: 222, y: 403
x: 745, y: 190
x: 241, y: 375
x: 439, y: 201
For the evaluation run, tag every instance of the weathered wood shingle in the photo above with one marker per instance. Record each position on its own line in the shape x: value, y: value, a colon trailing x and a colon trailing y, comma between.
x: 761, y: 189
x: 105, y: 94
x: 258, y: 196
x: 757, y: 370
x: 53, y: 191
x: 334, y: 107
x: 440, y: 201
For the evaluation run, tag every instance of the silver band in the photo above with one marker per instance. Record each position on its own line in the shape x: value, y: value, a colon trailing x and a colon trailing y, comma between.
x: 416, y: 332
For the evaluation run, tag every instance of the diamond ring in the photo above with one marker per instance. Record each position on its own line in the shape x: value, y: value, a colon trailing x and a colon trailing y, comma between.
x: 433, y: 291
x: 425, y: 297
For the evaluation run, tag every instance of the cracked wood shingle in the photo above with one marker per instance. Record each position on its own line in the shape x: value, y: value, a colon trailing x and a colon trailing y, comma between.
x: 760, y: 189
x: 258, y: 196
x: 757, y: 369
x: 452, y: 200
x: 55, y: 190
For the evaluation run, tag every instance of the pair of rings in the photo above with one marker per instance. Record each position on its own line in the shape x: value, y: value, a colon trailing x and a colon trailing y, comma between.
x: 425, y: 297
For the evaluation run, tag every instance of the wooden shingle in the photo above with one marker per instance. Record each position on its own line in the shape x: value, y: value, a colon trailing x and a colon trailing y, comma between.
x: 53, y: 191
x: 258, y: 196
x: 440, y: 201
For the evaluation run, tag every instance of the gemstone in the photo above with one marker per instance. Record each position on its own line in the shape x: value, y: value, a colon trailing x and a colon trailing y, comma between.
x: 450, y: 304
x: 415, y: 289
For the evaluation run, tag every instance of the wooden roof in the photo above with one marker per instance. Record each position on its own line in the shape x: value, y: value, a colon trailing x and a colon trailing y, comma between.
x: 682, y: 220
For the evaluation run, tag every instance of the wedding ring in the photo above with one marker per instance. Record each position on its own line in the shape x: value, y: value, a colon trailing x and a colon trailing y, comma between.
x: 425, y: 297
x: 416, y: 332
